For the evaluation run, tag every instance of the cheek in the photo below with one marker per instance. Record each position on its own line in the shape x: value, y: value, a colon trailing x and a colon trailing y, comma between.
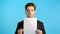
x: 33, y: 12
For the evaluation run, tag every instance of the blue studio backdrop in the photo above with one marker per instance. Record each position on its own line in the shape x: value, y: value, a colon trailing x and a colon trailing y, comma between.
x: 13, y: 11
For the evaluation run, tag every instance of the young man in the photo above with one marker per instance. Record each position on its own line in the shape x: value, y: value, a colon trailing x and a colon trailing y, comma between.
x: 30, y: 10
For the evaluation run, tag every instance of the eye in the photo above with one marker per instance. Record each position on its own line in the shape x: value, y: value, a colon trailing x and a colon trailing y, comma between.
x: 27, y: 10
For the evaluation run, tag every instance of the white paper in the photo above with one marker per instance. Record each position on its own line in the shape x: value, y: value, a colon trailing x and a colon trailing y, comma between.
x: 30, y: 25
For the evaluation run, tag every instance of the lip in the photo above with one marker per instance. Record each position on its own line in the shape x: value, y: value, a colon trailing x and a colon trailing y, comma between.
x: 29, y: 14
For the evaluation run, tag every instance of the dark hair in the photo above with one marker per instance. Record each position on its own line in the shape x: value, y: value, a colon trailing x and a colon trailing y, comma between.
x: 30, y: 4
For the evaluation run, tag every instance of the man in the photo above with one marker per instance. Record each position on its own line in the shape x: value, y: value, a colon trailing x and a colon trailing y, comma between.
x: 30, y: 10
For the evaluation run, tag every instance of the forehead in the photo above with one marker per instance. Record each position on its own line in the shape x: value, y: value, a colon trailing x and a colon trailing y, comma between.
x: 30, y: 7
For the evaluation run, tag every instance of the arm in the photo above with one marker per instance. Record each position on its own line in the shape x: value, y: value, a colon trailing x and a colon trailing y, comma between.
x: 19, y: 27
x: 40, y: 26
x: 43, y: 29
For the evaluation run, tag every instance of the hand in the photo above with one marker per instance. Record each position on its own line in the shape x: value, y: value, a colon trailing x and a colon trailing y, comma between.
x: 20, y: 31
x: 38, y: 32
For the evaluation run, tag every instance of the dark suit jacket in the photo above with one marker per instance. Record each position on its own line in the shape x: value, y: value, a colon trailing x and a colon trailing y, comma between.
x: 40, y: 26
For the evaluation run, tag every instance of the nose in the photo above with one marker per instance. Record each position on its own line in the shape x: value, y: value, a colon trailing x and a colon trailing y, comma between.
x: 29, y: 11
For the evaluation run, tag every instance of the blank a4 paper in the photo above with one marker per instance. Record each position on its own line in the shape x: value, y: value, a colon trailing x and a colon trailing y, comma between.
x: 30, y: 25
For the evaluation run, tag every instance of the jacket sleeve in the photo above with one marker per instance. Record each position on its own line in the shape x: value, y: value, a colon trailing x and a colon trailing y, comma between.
x: 19, y: 26
x: 40, y: 26
x: 43, y: 29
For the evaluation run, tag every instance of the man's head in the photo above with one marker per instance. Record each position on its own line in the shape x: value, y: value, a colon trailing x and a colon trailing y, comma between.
x: 30, y: 9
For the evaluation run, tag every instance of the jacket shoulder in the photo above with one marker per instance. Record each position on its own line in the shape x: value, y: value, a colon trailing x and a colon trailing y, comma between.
x: 20, y: 22
x: 40, y: 22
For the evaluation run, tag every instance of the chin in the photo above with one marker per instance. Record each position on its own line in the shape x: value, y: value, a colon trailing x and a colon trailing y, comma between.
x: 30, y: 16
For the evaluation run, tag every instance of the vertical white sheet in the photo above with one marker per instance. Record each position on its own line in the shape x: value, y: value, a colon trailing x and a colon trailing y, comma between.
x: 30, y: 25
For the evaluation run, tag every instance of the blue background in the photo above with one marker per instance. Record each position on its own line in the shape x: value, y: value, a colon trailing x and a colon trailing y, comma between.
x: 13, y: 11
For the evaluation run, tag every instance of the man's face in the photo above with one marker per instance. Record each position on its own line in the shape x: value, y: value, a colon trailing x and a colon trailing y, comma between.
x: 30, y: 11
